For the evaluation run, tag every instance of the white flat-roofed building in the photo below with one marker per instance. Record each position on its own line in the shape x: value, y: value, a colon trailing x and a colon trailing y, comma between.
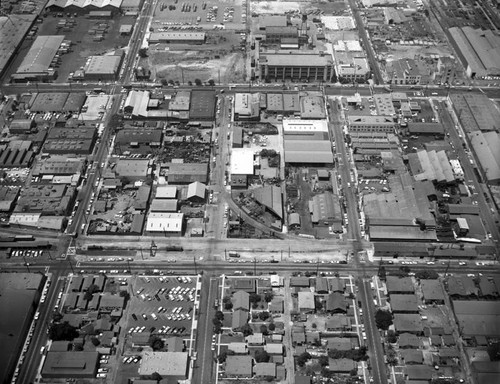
x: 177, y: 37
x: 337, y: 23
x: 170, y: 365
x: 242, y: 161
x: 166, y: 192
x: 294, y: 126
x: 246, y: 106
x: 167, y: 223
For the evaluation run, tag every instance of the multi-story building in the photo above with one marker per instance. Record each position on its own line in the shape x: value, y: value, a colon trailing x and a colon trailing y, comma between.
x: 297, y: 66
x: 405, y: 71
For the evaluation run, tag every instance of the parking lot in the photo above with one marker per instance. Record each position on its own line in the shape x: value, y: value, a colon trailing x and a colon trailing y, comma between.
x: 162, y: 304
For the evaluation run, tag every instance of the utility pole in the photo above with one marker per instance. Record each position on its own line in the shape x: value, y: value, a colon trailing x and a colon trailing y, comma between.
x: 195, y: 267
x: 71, y: 266
x: 255, y: 266
x: 25, y: 263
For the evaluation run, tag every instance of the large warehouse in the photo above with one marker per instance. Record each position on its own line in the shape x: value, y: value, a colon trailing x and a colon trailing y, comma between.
x: 202, y: 106
x: 36, y: 65
x: 307, y: 142
x: 486, y: 146
x: 83, y: 6
x: 478, y: 50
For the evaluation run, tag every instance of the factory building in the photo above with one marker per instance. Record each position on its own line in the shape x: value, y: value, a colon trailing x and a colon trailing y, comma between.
x: 297, y: 66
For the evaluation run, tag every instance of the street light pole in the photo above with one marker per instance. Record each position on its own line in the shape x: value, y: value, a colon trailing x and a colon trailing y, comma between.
x: 71, y: 266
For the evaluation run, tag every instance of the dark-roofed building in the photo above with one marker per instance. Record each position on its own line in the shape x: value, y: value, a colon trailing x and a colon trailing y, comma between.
x: 486, y: 372
x: 341, y: 343
x: 299, y: 379
x: 404, y: 303
x: 342, y: 365
x: 408, y: 340
x: 338, y: 323
x: 299, y: 282
x: 408, y: 323
x: 110, y: 302
x: 402, y: 285
x: 134, y: 138
x: 325, y: 209
x: 435, y: 129
x: 461, y: 287
x: 412, y: 356
x: 336, y: 303
x: 239, y: 366
x: 186, y: 173
x: 245, y: 284
x: 265, y: 370
x: 418, y: 372
x: 286, y: 65
x: 61, y: 365
x: 241, y: 300
x: 321, y: 285
x: 337, y: 284
x: 202, y: 106
x: 477, y: 318
x: 432, y: 291
x: 239, y: 319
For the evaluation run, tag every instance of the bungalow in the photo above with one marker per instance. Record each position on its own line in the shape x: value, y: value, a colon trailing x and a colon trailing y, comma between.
x: 306, y: 302
x: 239, y: 366
x: 240, y: 318
x: 342, y: 365
x: 241, y: 300
x: 265, y: 370
x: 336, y: 303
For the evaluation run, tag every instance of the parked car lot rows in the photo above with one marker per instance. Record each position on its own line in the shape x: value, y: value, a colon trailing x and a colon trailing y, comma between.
x: 163, y: 305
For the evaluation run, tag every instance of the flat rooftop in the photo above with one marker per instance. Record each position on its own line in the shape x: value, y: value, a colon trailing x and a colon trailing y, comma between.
x: 40, y: 55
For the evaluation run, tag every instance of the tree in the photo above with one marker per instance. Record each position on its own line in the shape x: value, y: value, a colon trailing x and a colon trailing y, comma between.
x: 382, y: 273
x: 255, y: 298
x: 264, y: 315
x: 323, y: 361
x: 95, y: 341
x: 125, y: 294
x: 391, y: 336
x: 228, y: 306
x: 383, y: 319
x: 354, y: 372
x: 88, y: 296
x: 219, y: 315
x: 268, y: 297
x: 261, y: 356
x: 143, y: 52
x: 303, y: 358
x: 263, y: 330
x: 314, y: 325
x: 164, y: 82
x: 427, y: 274
x: 156, y: 376
x: 62, y: 331
x: 211, y: 82
x: 197, y: 82
x: 494, y: 351
x: 156, y: 343
x: 216, y: 321
x: 218, y: 328
x: 57, y: 317
x: 246, y: 330
x: 272, y: 327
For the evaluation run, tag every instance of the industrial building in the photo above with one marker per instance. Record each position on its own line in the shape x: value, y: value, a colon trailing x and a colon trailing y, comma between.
x: 431, y: 165
x: 202, y: 105
x: 401, y: 213
x: 371, y: 124
x: 165, y: 223
x: 486, y: 146
x: 103, y: 68
x: 83, y: 6
x: 131, y: 6
x: 187, y: 173
x: 70, y: 140
x: 478, y: 51
x: 13, y: 30
x: 37, y: 64
x: 247, y: 106
x: 307, y: 142
x: 404, y: 71
x: 350, y: 61
x: 62, y: 365
x: 177, y: 37
x: 283, y: 65
x: 275, y: 34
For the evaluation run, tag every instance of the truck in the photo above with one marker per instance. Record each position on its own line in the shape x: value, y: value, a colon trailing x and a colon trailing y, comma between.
x: 233, y: 254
